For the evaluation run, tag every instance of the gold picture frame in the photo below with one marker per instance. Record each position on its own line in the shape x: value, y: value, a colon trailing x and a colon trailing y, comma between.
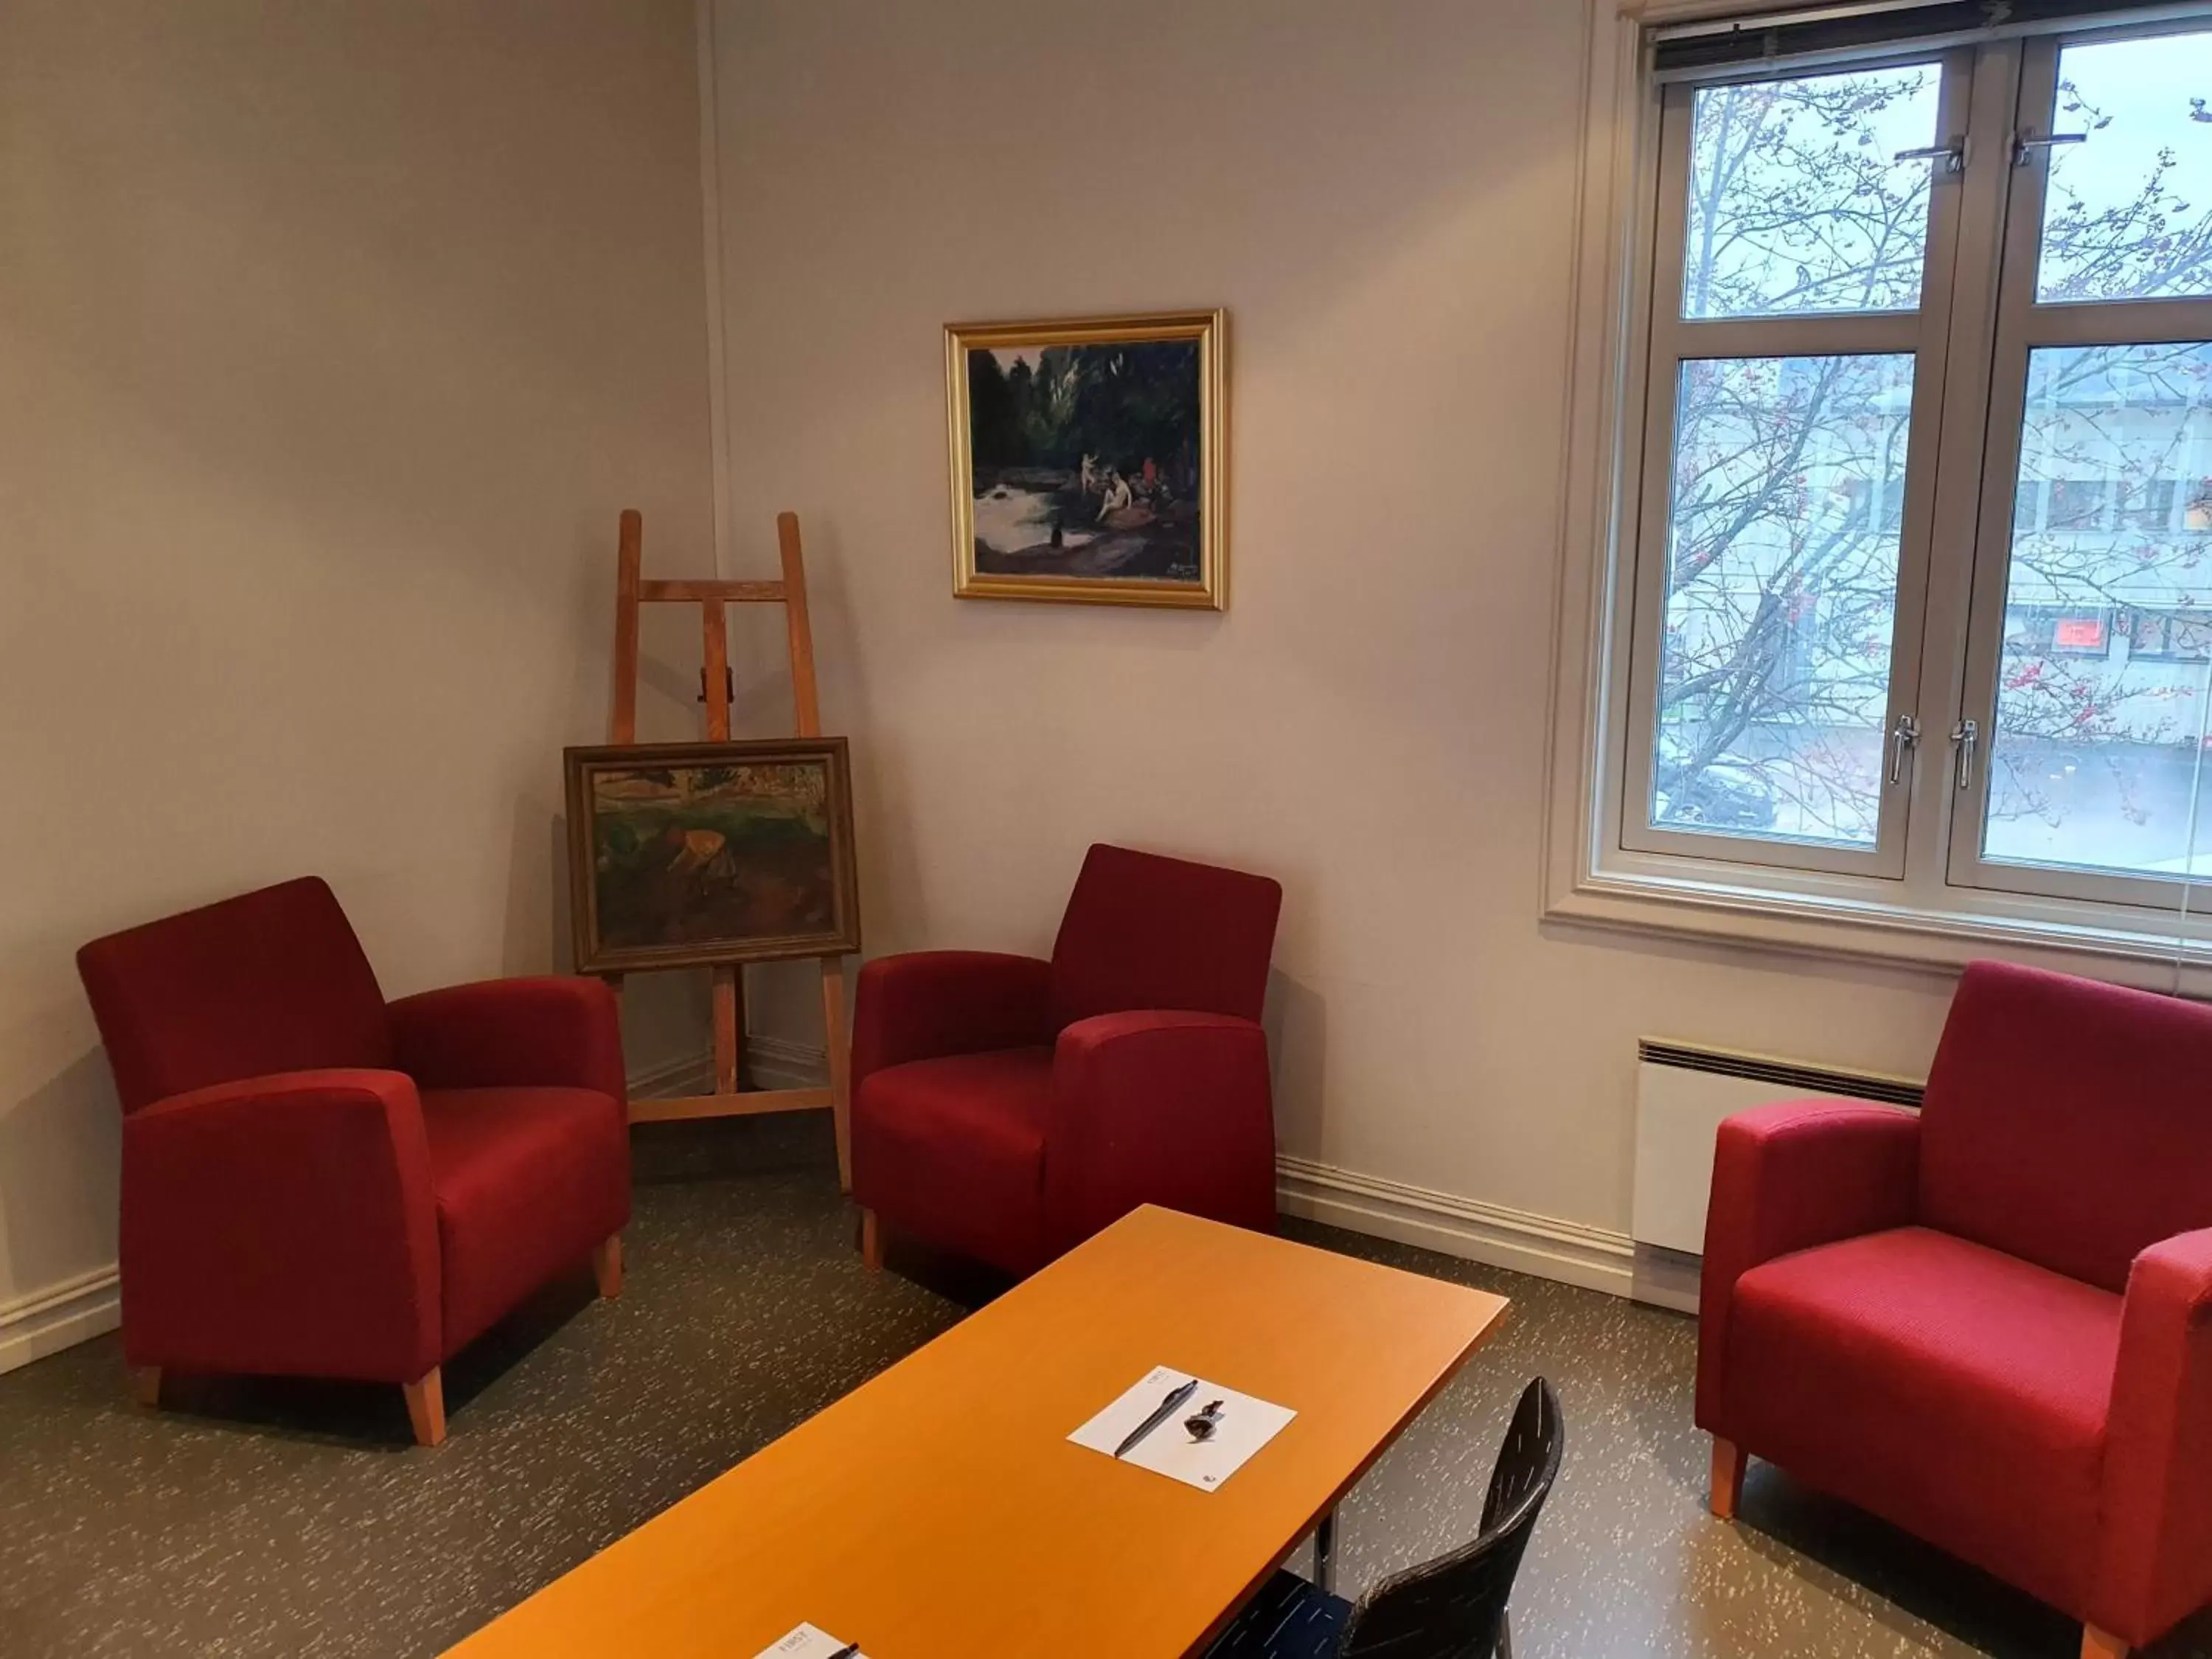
x: 699, y: 855
x: 1108, y: 488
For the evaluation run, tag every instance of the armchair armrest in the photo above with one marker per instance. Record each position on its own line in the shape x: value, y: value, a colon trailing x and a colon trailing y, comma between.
x: 928, y: 1004
x: 552, y: 1031
x: 1157, y: 1107
x: 1786, y: 1177
x: 282, y: 1224
x: 2154, y: 1556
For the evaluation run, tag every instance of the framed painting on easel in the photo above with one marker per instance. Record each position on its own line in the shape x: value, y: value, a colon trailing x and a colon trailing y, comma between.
x: 696, y: 855
x: 749, y: 866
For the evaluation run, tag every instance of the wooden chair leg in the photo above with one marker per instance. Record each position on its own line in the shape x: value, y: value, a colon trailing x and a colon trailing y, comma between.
x: 1727, y: 1490
x: 425, y: 1407
x: 146, y: 1385
x: 2096, y: 1644
x: 606, y: 1265
x: 871, y: 1241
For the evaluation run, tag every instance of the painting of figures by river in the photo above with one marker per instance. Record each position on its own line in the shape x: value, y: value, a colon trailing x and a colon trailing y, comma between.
x: 1082, y: 465
x: 1086, y: 459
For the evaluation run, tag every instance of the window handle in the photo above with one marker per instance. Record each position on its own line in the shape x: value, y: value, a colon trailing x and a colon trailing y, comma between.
x: 1905, y: 735
x: 1962, y: 738
x: 2023, y: 146
x: 1952, y: 155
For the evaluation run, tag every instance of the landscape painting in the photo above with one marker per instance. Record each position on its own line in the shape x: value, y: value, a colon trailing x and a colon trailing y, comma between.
x: 1087, y: 460
x: 696, y: 853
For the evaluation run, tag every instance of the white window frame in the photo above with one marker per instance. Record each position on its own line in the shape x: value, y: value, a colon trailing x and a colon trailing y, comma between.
x: 1919, y: 903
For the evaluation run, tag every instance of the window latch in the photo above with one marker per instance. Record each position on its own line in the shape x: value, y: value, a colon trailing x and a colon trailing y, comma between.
x: 1963, y: 736
x: 1905, y: 735
x: 2024, y: 145
x: 1952, y: 155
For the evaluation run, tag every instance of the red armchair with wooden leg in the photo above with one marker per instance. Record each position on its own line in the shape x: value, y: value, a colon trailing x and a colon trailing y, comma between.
x: 319, y: 1183
x: 1008, y: 1107
x: 1991, y: 1324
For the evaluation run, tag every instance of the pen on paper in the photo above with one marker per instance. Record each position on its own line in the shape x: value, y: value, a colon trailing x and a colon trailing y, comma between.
x: 1161, y: 1413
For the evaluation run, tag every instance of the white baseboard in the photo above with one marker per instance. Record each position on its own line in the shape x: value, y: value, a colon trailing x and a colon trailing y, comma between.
x: 779, y: 1063
x: 49, y: 1320
x: 687, y: 1074
x: 1489, y: 1233
x: 770, y: 1063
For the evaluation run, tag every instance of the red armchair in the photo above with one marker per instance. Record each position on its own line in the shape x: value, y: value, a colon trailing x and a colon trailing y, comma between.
x: 319, y: 1183
x: 1008, y: 1107
x: 1991, y: 1324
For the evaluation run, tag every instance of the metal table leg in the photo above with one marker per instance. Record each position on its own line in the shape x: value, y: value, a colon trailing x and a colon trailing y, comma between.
x: 1325, y: 1553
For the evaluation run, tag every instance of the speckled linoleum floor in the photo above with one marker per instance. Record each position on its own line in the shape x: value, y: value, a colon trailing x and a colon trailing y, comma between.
x: 296, y: 1519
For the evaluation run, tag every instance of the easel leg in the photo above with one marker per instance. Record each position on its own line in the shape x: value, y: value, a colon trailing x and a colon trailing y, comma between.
x: 840, y: 1065
x: 729, y: 1031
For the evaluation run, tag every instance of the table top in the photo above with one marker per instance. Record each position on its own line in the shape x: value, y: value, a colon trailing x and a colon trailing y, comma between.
x: 939, y: 1512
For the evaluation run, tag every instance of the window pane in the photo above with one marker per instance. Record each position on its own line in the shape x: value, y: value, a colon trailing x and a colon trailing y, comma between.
x: 1781, y: 596
x: 1796, y: 204
x: 2101, y: 705
x: 2129, y: 213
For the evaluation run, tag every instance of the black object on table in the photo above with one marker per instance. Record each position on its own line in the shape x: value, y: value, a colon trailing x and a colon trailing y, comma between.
x: 1161, y: 1413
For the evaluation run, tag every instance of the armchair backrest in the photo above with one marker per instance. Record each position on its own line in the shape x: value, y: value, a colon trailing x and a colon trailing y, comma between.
x: 2067, y: 1122
x: 1146, y: 931
x: 272, y: 980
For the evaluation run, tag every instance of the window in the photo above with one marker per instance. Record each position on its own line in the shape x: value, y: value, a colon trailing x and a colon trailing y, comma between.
x: 1915, y: 574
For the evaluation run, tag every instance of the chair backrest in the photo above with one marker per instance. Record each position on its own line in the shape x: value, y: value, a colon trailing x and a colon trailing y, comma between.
x: 1146, y: 931
x: 2067, y: 1122
x: 1454, y: 1607
x: 271, y: 980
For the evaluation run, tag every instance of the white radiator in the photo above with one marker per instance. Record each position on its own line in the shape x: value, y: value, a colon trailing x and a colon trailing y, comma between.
x: 1682, y: 1093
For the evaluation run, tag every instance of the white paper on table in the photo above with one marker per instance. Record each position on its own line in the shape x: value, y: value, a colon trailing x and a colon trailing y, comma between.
x: 805, y: 1643
x: 1246, y: 1425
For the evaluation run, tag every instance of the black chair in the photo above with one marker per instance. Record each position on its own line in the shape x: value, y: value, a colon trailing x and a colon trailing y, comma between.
x: 1452, y: 1608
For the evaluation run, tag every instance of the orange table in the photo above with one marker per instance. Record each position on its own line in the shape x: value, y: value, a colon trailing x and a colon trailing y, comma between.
x: 939, y: 1511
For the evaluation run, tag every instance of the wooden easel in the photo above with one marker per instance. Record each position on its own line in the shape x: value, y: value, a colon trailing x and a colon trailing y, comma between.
x: 713, y: 598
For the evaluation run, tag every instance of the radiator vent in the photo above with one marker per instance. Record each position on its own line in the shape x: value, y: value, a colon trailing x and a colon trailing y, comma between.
x: 1783, y: 1073
x: 1683, y: 1094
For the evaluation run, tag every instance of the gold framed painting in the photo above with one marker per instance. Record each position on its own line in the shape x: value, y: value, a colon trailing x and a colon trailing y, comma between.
x: 692, y: 855
x: 1089, y: 460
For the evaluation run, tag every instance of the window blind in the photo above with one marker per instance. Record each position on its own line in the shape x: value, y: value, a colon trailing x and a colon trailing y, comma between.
x: 1816, y: 32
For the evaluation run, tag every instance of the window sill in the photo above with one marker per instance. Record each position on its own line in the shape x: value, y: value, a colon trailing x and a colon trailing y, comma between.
x: 1940, y: 941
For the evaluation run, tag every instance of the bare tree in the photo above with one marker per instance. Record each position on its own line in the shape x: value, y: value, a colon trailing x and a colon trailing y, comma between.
x: 1785, y: 518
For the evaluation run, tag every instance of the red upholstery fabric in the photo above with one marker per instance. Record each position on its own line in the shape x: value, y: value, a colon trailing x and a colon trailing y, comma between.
x: 1925, y: 1318
x: 2067, y: 1121
x: 272, y: 980
x: 1960, y: 1392
x: 952, y: 1150
x: 928, y: 1004
x: 1146, y: 931
x: 526, y: 1181
x: 1786, y: 1177
x: 282, y: 1225
x: 560, y: 1033
x: 2155, y: 1565
x: 1168, y: 1107
x: 971, y: 1129
x: 291, y: 1203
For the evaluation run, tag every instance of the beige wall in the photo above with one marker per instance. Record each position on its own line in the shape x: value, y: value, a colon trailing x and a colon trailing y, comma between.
x: 333, y: 338
x: 1383, y: 197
